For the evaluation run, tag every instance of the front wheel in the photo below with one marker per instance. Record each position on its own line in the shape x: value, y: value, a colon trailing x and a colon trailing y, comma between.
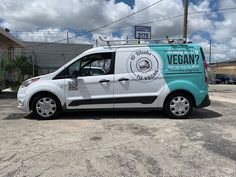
x: 178, y: 105
x: 46, y: 106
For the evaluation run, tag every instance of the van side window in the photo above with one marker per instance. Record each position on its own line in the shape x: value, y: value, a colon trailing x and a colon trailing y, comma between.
x: 96, y: 64
x: 91, y: 65
x: 74, y: 67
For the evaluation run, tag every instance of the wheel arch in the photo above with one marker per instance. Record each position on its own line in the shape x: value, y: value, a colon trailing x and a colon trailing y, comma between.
x: 41, y: 93
x: 181, y: 91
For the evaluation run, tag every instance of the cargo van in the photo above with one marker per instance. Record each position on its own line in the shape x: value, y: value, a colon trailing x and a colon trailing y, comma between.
x: 169, y: 76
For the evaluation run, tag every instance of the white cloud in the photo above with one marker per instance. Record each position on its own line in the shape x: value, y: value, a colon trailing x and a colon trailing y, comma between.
x: 60, y: 15
x: 224, y: 33
x: 52, y: 34
x: 77, y: 14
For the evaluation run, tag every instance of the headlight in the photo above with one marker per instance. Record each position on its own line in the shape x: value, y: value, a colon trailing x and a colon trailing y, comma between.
x: 28, y: 82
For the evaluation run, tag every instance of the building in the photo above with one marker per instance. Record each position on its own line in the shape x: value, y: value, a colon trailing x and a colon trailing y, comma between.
x: 8, y: 44
x: 226, y: 67
x: 47, y: 57
x: 8, y: 47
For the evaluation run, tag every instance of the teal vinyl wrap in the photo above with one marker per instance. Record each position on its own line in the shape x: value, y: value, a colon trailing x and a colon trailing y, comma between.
x: 183, y: 68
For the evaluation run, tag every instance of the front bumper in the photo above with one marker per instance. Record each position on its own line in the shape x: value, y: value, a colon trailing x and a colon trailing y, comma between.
x: 206, y: 102
x: 23, y: 100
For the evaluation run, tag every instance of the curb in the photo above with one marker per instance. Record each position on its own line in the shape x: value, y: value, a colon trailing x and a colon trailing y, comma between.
x: 217, y: 98
x: 6, y: 95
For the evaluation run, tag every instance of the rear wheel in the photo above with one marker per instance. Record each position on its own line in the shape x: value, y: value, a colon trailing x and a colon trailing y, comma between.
x: 46, y: 106
x: 178, y: 105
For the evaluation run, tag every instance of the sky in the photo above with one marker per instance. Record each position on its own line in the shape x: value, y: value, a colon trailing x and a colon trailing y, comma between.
x: 48, y: 21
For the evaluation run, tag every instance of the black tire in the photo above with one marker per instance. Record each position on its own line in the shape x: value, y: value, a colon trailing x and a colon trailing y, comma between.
x: 168, y: 109
x: 55, y: 107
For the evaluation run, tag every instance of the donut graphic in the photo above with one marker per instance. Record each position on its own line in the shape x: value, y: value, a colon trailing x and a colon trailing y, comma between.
x: 144, y: 65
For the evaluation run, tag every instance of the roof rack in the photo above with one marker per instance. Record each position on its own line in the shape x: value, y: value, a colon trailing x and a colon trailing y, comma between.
x: 156, y: 41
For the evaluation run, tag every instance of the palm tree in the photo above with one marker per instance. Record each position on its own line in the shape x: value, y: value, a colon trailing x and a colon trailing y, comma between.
x: 20, y: 66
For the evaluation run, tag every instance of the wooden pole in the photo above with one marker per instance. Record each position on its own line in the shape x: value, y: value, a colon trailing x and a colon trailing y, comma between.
x: 185, y: 28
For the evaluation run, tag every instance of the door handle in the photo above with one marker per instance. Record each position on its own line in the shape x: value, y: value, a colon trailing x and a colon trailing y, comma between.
x: 104, y: 80
x: 123, y: 79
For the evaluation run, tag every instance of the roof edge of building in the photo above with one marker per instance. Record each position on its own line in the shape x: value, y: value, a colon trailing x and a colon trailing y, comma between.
x: 19, y: 44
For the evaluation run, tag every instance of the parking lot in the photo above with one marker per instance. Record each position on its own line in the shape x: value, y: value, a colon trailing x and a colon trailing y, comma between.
x: 121, y: 143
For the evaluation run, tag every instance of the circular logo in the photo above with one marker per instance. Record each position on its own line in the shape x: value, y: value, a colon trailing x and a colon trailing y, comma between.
x: 144, y: 65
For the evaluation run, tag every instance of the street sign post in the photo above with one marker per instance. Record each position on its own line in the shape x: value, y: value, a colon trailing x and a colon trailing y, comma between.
x: 142, y: 32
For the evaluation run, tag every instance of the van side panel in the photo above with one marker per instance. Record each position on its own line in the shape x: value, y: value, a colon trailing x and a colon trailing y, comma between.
x: 183, y: 69
x: 145, y: 85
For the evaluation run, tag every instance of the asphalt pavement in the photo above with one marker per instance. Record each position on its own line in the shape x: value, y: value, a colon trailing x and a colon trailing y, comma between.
x: 123, y: 143
x: 222, y: 92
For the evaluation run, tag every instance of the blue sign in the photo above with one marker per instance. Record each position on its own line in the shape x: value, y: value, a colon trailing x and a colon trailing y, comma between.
x: 142, y: 32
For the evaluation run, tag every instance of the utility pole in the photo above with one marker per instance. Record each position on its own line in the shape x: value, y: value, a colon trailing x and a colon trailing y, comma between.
x: 67, y: 37
x: 210, y: 53
x: 33, y: 61
x: 185, y: 28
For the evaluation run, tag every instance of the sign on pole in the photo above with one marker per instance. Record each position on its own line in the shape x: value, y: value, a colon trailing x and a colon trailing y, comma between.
x: 142, y: 32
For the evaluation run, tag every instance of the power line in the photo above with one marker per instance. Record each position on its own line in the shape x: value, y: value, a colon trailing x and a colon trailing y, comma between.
x: 109, y: 24
x: 162, y: 19
x: 167, y: 18
x: 47, y: 31
x: 190, y: 13
x: 176, y: 16
x: 126, y: 16
x: 172, y: 17
x: 153, y: 21
x: 213, y: 10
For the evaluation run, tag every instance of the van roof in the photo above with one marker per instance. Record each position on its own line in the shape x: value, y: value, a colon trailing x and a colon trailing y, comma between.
x: 114, y: 47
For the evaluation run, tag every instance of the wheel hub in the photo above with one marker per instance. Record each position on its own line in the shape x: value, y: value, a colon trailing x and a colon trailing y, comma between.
x: 46, y: 107
x: 179, y: 106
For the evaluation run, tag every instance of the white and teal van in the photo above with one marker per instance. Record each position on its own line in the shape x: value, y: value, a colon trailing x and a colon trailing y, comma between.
x: 168, y: 76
